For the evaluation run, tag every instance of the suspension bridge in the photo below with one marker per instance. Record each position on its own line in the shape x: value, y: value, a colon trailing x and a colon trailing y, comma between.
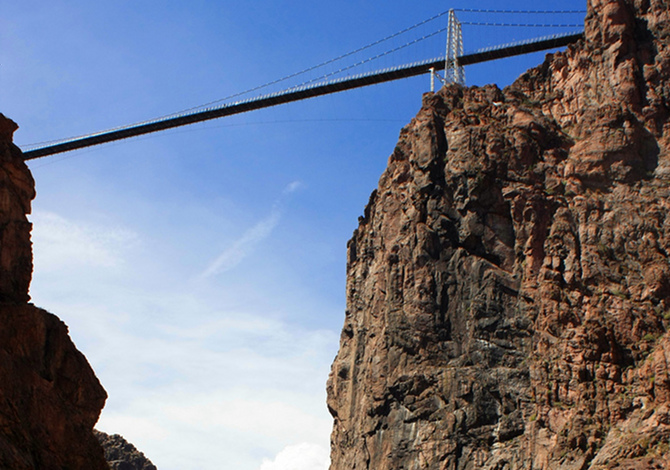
x: 452, y: 64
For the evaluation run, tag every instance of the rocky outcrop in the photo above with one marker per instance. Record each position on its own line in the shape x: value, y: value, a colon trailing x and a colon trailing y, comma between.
x: 17, y: 190
x: 50, y: 399
x: 122, y: 455
x: 508, y: 288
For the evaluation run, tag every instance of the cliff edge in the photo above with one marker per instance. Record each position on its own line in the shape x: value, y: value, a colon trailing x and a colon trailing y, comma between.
x: 50, y: 398
x: 508, y: 287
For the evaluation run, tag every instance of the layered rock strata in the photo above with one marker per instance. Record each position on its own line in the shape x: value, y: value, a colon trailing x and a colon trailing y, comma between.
x: 508, y: 289
x: 50, y: 399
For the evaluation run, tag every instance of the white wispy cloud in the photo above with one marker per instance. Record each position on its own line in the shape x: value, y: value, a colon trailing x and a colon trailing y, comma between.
x: 305, y: 456
x: 63, y: 243
x: 247, y: 243
x: 243, y: 246
x: 293, y: 187
x: 221, y: 390
x: 195, y: 376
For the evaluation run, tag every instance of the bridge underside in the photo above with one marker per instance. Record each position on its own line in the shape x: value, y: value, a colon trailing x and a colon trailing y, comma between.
x: 301, y: 93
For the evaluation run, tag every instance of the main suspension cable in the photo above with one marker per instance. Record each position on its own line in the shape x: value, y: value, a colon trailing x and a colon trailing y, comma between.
x: 531, y: 25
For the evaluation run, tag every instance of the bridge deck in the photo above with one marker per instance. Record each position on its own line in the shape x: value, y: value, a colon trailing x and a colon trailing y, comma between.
x: 301, y: 93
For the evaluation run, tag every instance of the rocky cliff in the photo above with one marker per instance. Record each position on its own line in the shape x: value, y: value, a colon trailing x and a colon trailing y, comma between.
x: 121, y: 454
x: 508, y: 289
x: 50, y: 399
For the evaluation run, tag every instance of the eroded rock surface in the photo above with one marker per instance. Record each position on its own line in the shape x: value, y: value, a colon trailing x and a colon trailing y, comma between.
x: 121, y: 454
x: 50, y: 399
x: 508, y: 289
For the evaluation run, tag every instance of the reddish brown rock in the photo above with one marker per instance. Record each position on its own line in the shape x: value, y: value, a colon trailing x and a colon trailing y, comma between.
x: 508, y: 287
x: 17, y: 190
x: 50, y: 399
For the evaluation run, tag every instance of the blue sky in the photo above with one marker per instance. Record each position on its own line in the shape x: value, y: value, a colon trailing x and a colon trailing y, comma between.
x: 202, y: 270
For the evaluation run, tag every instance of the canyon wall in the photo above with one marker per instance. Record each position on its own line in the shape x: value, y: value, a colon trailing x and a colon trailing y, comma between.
x: 50, y: 398
x: 508, y: 287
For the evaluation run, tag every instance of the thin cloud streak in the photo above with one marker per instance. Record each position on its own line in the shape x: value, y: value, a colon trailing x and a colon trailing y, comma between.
x: 247, y: 243
x: 244, y: 246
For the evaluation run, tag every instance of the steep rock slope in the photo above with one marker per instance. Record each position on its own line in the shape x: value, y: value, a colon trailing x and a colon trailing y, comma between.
x: 508, y: 287
x: 121, y: 454
x: 50, y: 399
x: 17, y: 190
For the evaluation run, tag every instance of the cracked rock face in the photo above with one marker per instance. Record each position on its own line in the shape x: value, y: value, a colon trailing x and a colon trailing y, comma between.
x: 508, y: 287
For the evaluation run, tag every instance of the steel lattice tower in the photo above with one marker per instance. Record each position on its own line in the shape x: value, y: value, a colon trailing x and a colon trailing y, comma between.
x: 453, y: 72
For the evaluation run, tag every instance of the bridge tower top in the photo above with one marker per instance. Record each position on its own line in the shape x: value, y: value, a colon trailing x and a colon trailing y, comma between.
x: 453, y: 71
